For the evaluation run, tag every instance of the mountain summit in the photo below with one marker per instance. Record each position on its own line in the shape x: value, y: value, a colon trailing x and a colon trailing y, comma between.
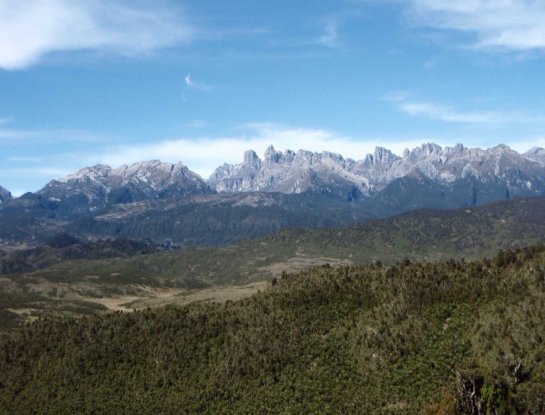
x: 296, y: 172
x: 94, y: 187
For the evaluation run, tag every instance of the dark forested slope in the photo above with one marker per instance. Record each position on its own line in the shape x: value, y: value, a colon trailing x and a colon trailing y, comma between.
x: 437, y: 338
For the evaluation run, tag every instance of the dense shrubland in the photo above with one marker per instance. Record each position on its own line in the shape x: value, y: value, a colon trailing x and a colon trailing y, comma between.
x: 438, y: 338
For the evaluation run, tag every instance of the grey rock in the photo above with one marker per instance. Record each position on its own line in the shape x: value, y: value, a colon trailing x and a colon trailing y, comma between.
x: 92, y: 188
x: 290, y: 172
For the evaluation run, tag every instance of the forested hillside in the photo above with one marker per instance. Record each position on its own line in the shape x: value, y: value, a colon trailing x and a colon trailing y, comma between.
x: 75, y: 286
x: 411, y: 338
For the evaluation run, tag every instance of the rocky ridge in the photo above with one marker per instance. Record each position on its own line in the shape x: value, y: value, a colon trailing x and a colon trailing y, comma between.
x: 296, y: 172
x: 164, y: 201
x: 94, y: 187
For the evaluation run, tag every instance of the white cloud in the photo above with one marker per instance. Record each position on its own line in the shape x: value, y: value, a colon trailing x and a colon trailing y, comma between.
x: 497, y: 24
x: 444, y: 113
x: 199, y: 86
x: 31, y: 29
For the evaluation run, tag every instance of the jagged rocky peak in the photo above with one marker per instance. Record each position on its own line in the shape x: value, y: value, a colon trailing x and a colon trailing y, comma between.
x: 457, y: 149
x: 287, y: 172
x: 251, y: 158
x: 305, y: 170
x: 272, y: 156
x: 337, y: 158
x: 5, y: 195
x: 382, y: 156
x: 427, y: 150
x: 154, y: 173
x: 95, y: 173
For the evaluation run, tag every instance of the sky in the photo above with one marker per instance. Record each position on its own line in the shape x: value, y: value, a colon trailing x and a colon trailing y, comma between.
x: 84, y: 82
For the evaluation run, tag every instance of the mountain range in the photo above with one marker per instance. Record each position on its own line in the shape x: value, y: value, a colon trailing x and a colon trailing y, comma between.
x: 263, y: 196
x: 290, y: 172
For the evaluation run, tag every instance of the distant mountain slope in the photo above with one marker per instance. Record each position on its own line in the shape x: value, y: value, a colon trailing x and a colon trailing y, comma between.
x: 64, y: 247
x: 214, y: 220
x: 92, y: 188
x: 5, y: 196
x: 536, y: 154
x: 419, y: 235
x: 196, y: 220
x: 413, y: 338
x: 429, y: 234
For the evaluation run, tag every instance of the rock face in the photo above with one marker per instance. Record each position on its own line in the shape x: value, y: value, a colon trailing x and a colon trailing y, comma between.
x: 290, y: 172
x: 94, y: 187
x: 296, y: 172
x: 5, y: 196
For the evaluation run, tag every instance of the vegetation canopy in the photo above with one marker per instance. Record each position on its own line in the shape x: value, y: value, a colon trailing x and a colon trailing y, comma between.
x: 434, y: 337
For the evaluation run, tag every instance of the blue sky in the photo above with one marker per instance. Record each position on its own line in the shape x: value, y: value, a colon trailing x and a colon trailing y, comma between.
x: 200, y: 81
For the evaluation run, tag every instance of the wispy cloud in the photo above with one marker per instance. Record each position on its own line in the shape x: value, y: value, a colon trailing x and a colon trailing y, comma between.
x: 10, y: 134
x: 516, y: 25
x: 444, y: 113
x: 31, y: 29
x: 197, y: 85
x: 330, y: 36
